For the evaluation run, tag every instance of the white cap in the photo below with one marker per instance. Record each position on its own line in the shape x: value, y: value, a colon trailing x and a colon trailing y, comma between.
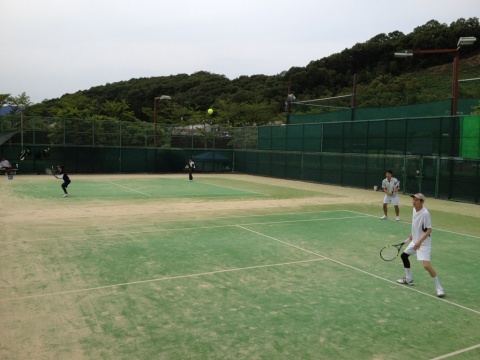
x: 419, y: 196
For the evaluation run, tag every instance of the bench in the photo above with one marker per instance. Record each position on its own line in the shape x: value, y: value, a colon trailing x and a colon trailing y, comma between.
x: 12, y: 171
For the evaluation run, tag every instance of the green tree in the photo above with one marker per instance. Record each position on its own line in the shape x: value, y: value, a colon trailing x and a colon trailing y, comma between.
x: 4, y: 98
x: 259, y: 99
x: 118, y: 109
x: 18, y: 103
x: 74, y: 106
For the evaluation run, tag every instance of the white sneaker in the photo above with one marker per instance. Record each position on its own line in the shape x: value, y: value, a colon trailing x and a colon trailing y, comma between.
x: 405, y: 282
x: 65, y: 195
x: 397, y: 218
x: 440, y: 292
x: 384, y: 217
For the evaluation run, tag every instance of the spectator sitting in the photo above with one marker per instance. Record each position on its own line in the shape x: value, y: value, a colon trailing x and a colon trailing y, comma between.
x: 5, y: 165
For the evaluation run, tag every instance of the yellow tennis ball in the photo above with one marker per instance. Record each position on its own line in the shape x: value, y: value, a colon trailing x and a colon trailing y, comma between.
x: 210, y: 111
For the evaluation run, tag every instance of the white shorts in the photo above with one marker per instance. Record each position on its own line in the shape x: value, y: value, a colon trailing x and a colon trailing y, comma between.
x: 423, y: 253
x: 391, y: 200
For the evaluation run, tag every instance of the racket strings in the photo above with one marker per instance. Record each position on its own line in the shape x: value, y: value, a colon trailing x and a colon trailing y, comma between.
x: 389, y: 253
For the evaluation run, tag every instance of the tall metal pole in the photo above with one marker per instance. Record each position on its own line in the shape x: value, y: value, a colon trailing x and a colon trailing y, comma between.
x: 21, y: 127
x: 158, y: 98
x: 469, y: 40
x: 454, y: 120
x: 21, y: 107
x: 155, y: 122
x: 456, y: 67
x: 353, y: 100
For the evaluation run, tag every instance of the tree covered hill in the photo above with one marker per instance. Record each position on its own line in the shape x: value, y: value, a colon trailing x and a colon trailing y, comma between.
x: 259, y: 99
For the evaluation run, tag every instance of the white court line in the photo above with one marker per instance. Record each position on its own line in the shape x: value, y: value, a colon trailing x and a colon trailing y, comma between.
x: 215, y: 218
x: 201, y: 182
x: 125, y: 187
x: 457, y: 352
x: 180, y: 229
x: 232, y: 188
x: 303, y: 220
x: 160, y: 279
x: 447, y: 231
x: 211, y: 218
x: 360, y: 270
x: 272, y: 238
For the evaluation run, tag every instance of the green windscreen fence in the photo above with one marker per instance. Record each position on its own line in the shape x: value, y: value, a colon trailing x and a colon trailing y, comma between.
x: 303, y: 113
x: 90, y: 160
x: 423, y: 136
x: 439, y: 155
x: 470, y: 135
x: 435, y: 176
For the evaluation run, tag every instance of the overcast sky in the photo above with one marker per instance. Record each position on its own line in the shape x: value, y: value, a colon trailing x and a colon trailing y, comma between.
x: 53, y: 47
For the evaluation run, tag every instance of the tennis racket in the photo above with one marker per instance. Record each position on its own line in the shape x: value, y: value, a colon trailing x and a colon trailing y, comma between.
x: 49, y: 171
x: 391, y: 252
x: 396, y: 187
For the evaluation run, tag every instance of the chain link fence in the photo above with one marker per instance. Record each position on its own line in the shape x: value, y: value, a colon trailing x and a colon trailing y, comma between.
x: 438, y: 156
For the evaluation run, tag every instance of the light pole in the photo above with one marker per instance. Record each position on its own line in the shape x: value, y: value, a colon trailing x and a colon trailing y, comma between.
x: 21, y: 107
x: 288, y: 102
x: 155, y: 101
x: 468, y: 40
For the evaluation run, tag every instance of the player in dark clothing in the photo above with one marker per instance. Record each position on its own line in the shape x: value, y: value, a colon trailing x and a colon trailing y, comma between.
x: 191, y: 169
x: 66, y: 180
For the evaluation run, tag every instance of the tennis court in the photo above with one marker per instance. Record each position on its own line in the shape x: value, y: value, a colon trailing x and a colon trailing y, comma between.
x: 227, y: 267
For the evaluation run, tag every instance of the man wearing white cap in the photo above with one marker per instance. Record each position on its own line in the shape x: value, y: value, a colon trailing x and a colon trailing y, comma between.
x: 421, y: 243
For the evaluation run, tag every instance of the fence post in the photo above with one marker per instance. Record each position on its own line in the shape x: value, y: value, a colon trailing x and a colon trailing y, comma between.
x: 437, y: 177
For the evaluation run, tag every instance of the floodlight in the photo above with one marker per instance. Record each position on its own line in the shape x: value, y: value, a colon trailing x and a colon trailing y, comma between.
x: 467, y: 40
x: 291, y: 97
x: 158, y: 98
x: 406, y: 53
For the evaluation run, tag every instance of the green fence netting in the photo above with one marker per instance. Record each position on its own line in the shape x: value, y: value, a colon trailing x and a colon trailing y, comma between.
x: 441, y: 136
x: 436, y: 155
x: 304, y: 113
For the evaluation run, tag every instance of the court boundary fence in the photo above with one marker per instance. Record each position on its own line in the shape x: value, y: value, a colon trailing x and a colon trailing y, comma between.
x: 446, y: 178
x: 275, y: 151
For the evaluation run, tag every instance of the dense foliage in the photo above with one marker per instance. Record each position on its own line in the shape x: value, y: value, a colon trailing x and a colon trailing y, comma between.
x: 260, y: 99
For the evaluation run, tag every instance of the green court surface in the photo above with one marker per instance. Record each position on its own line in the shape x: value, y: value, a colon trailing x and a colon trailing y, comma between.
x: 104, y: 187
x: 224, y: 276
